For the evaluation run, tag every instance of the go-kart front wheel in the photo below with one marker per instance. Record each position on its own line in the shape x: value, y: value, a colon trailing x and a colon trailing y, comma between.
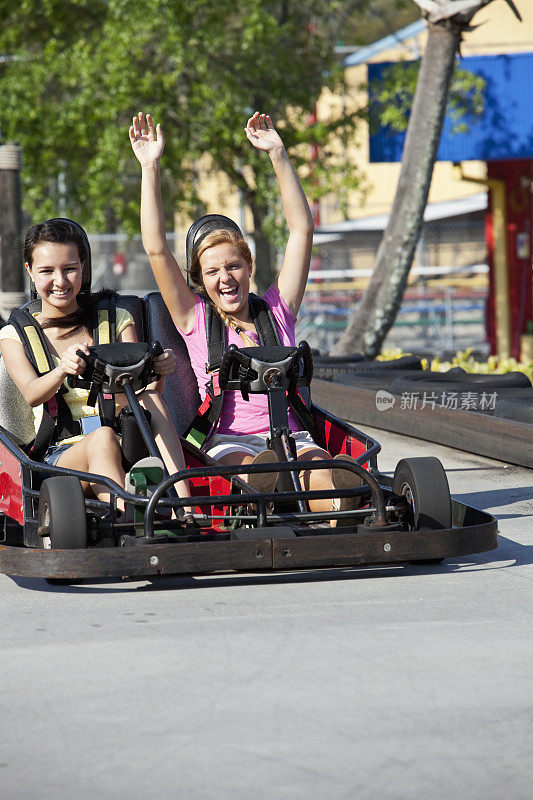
x: 423, y: 485
x: 62, y: 520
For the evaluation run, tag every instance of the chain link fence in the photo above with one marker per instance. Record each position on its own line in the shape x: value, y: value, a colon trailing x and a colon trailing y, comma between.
x: 119, y: 262
x: 443, y: 308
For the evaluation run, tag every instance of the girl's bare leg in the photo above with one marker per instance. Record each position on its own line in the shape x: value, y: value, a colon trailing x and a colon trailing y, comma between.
x: 318, y: 479
x: 236, y: 459
x: 166, y: 437
x: 310, y: 480
x: 98, y: 452
x: 314, y: 480
x: 323, y: 479
x: 264, y: 482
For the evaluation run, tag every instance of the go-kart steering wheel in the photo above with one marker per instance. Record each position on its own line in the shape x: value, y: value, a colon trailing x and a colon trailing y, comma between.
x: 113, y: 365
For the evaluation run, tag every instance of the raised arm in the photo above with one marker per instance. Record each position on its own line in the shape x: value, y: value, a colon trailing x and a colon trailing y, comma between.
x: 148, y: 145
x: 292, y: 278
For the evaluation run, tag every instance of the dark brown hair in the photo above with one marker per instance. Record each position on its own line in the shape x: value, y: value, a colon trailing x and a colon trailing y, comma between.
x: 62, y: 231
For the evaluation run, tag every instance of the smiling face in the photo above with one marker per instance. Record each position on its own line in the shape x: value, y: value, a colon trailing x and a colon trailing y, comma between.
x: 56, y: 270
x: 226, y: 279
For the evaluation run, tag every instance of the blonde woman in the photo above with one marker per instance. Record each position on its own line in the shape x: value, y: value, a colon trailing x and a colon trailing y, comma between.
x: 220, y: 272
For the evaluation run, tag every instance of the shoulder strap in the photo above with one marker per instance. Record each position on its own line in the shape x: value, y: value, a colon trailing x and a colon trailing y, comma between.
x: 105, y: 332
x: 217, y: 338
x: 105, y: 320
x: 209, y: 412
x: 32, y: 337
x: 264, y: 322
x: 36, y: 348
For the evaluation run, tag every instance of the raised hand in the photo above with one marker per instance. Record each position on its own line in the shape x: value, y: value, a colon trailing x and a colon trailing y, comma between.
x: 261, y: 133
x: 147, y: 143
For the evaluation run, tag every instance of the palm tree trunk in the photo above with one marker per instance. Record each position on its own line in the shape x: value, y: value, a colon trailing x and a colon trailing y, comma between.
x: 377, y: 311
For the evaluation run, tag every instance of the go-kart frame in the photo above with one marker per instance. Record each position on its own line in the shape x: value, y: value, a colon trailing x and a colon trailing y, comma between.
x: 237, y: 528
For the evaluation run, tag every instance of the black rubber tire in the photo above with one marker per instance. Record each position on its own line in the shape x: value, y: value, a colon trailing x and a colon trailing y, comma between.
x: 370, y: 380
x: 423, y: 482
x: 460, y: 381
x: 404, y: 363
x: 331, y: 360
x: 370, y: 370
x: 62, y: 512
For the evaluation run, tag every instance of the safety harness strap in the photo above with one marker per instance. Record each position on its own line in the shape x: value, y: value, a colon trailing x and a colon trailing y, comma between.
x: 105, y: 321
x: 104, y: 332
x: 56, y: 422
x: 264, y: 322
x: 209, y: 412
x: 36, y: 348
x: 32, y: 336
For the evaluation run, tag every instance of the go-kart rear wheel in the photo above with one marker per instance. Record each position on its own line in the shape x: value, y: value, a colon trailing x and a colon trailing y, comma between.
x: 62, y: 520
x: 423, y: 484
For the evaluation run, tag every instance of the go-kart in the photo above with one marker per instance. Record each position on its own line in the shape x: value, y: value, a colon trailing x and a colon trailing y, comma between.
x: 51, y: 530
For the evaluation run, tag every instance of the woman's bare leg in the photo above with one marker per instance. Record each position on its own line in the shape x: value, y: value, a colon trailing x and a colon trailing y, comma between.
x: 166, y: 437
x: 323, y: 479
x: 314, y: 480
x: 260, y: 481
x: 310, y: 480
x: 236, y: 458
x: 98, y: 452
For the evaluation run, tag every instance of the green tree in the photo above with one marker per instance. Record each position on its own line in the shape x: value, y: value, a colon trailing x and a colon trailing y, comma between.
x: 82, y: 68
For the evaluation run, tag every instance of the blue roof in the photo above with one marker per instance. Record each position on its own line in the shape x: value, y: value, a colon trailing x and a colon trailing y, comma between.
x: 374, y: 49
x: 504, y: 130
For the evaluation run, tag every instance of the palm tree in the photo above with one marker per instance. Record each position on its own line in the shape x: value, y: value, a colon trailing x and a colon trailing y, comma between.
x: 448, y: 21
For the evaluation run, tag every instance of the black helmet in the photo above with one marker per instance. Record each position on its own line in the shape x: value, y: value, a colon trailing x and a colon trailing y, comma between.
x: 201, y: 227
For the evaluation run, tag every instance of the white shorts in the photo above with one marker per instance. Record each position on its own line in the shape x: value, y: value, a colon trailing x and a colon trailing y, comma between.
x: 252, y: 444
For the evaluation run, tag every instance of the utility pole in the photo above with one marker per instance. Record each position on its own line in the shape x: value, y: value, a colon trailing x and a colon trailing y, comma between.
x: 11, y: 271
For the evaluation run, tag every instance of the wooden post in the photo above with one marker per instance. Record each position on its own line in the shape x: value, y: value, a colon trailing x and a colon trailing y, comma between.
x: 502, y: 305
x: 11, y: 270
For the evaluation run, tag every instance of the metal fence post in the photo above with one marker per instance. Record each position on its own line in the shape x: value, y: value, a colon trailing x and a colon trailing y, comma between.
x: 11, y: 271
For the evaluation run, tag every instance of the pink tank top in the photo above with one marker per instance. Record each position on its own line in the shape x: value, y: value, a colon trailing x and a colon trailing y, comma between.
x: 238, y: 415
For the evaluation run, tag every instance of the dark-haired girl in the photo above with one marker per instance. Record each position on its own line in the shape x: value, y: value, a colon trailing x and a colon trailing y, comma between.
x: 55, y: 253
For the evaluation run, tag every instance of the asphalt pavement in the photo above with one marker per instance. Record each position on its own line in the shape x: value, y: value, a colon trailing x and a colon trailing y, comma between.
x: 383, y: 683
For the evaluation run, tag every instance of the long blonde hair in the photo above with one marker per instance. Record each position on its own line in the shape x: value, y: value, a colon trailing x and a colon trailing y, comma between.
x: 221, y: 236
